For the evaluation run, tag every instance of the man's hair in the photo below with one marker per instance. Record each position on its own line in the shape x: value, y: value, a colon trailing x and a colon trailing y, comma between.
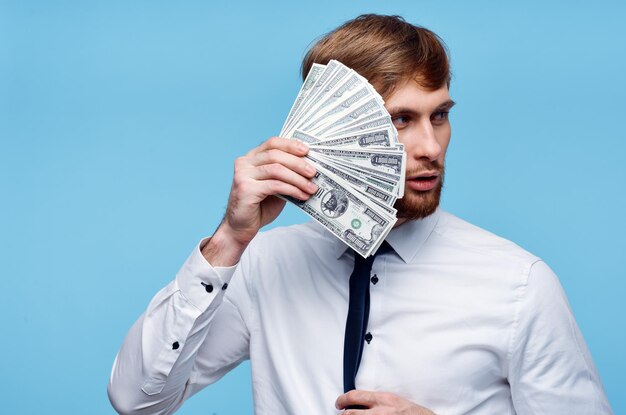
x: 386, y: 50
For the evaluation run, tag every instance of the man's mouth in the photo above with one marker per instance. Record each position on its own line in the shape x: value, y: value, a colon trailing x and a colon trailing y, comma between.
x: 424, y: 181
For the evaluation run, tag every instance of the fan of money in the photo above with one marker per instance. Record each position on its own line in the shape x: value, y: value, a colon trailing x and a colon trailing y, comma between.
x: 354, y: 147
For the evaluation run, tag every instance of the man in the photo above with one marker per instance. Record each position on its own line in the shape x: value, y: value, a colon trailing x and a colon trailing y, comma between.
x: 460, y: 320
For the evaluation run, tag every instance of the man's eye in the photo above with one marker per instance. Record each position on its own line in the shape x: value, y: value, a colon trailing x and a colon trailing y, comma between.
x: 400, y: 121
x: 440, y: 116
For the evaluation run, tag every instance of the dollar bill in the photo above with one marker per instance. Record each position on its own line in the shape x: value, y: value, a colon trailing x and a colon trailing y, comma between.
x: 359, y: 223
x: 354, y: 147
x: 362, y: 125
x: 345, y: 105
x: 372, y: 190
x: 340, y: 83
x: 311, y: 78
x: 330, y: 69
x: 386, y: 183
x: 370, y: 107
x: 302, y: 136
x: 390, y: 185
x: 377, y: 138
x: 341, y: 91
x: 386, y: 161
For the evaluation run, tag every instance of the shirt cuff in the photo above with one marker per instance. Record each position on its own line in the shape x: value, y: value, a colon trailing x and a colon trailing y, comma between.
x: 199, y: 281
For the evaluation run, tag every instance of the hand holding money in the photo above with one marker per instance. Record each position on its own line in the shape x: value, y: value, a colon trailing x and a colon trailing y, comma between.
x: 354, y: 146
x: 275, y: 167
x: 352, y: 175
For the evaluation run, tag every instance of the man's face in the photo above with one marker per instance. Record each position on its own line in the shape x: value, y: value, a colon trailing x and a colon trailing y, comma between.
x: 421, y: 118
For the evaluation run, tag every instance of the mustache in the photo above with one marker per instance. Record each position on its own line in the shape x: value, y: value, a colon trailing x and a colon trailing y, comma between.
x: 424, y: 167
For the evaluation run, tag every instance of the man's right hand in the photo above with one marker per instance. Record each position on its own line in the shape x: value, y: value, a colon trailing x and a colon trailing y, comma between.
x: 275, y: 167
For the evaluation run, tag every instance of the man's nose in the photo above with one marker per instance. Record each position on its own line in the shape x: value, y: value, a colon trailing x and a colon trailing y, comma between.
x: 424, y: 144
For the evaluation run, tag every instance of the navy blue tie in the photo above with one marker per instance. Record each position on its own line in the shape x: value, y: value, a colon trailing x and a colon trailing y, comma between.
x: 358, y: 314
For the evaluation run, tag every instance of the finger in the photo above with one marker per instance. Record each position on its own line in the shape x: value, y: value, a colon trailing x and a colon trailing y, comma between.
x: 279, y: 172
x: 277, y: 187
x: 295, y: 147
x: 295, y: 163
x: 356, y: 397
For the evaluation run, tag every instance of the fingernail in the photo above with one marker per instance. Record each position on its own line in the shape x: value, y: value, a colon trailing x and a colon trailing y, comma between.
x: 309, y: 169
x: 303, y: 147
x: 313, y: 186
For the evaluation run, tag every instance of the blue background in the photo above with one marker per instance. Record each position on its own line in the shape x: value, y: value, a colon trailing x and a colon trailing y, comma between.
x: 119, y: 122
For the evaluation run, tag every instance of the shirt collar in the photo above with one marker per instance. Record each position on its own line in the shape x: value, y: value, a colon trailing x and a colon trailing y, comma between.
x: 405, y: 239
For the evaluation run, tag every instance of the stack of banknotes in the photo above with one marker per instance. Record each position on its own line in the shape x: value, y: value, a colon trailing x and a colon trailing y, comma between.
x: 354, y: 147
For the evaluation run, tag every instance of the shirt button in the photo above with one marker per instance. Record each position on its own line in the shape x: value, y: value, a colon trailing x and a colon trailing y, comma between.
x: 225, y: 286
x: 374, y: 279
x: 207, y: 287
x: 175, y: 345
x: 368, y: 337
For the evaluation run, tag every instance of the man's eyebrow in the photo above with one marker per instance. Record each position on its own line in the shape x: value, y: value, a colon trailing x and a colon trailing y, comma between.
x: 444, y: 106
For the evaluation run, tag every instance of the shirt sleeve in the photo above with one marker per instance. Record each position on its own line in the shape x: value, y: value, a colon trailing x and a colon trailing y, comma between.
x: 157, y: 367
x: 551, y: 370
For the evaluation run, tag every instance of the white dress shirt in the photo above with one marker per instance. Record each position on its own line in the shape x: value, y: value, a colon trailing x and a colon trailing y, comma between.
x: 461, y: 322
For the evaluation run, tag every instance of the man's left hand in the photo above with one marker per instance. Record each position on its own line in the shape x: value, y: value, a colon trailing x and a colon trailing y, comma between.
x: 378, y: 403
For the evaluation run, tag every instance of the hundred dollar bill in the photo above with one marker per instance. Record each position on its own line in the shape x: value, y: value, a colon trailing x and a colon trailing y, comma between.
x: 376, y: 138
x: 339, y: 92
x: 377, y: 173
x: 345, y: 105
x: 310, y: 139
x: 386, y: 161
x: 371, y: 190
x: 354, y: 147
x: 302, y: 136
x: 356, y: 221
x: 375, y: 176
x: 391, y: 183
x: 371, y: 106
x: 337, y: 85
x: 362, y: 125
x: 311, y: 78
x: 400, y: 146
x: 384, y: 183
x: 386, y: 189
x: 326, y: 74
x: 391, y: 211
x: 337, y: 73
